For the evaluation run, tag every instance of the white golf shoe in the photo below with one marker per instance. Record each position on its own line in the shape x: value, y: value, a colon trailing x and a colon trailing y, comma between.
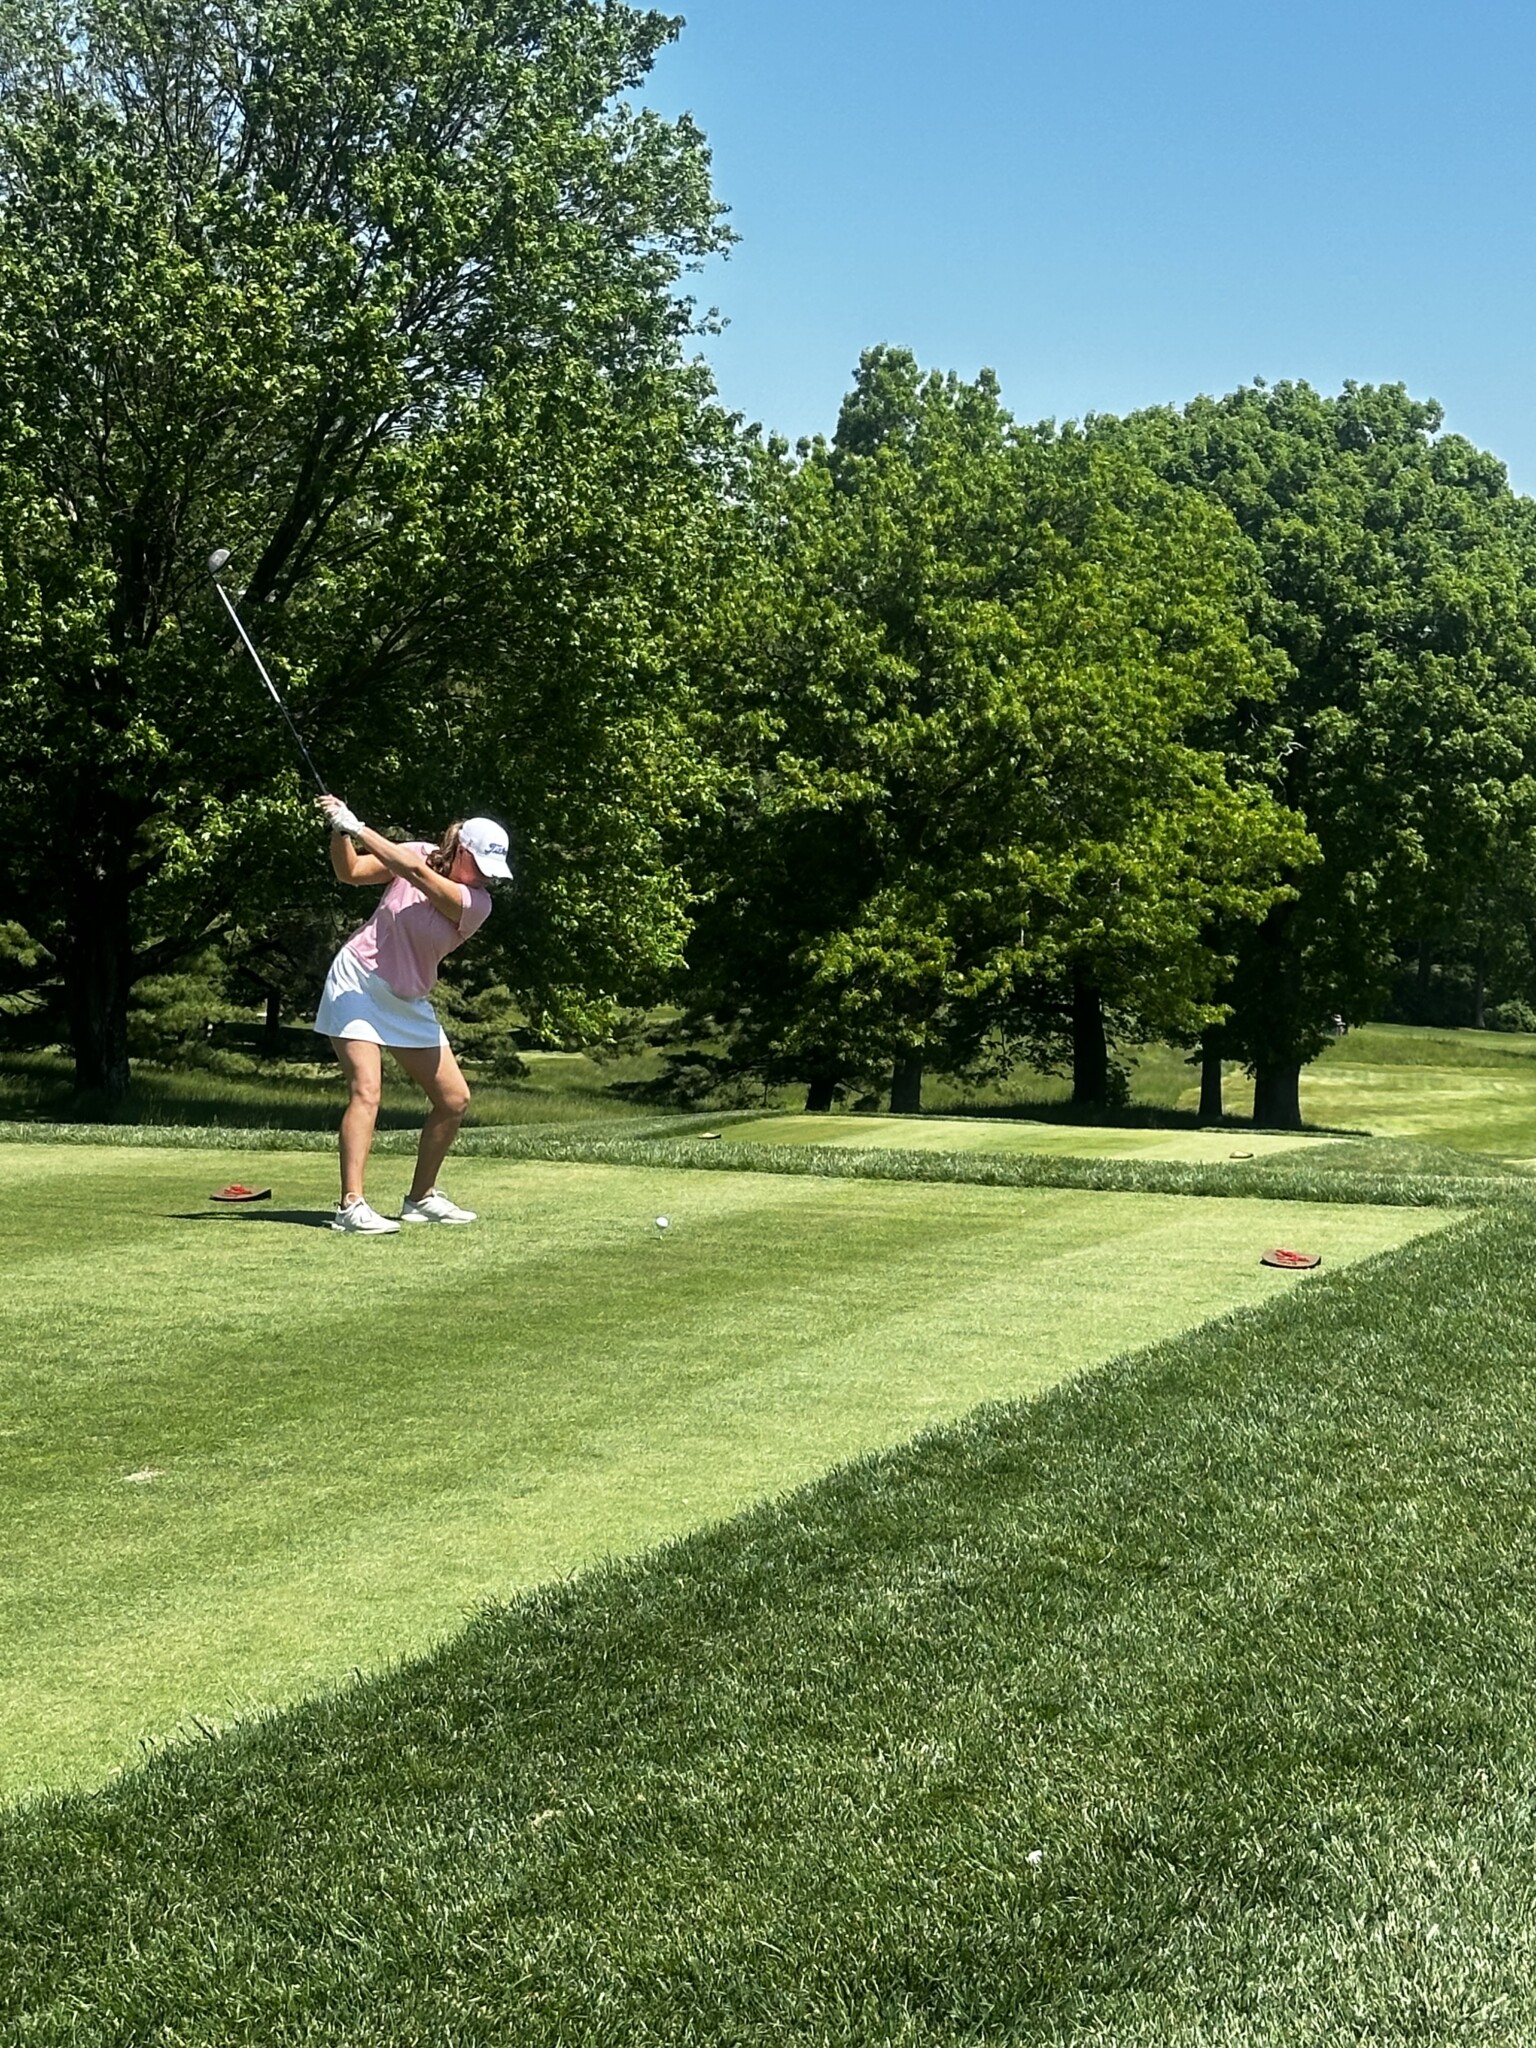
x: 434, y: 1208
x: 362, y: 1221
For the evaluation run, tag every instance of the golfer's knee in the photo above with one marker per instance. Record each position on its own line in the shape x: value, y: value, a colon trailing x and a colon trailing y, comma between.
x: 365, y: 1091
x: 454, y: 1101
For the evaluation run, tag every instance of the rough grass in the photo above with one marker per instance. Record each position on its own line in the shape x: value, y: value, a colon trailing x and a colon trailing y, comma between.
x: 1424, y: 1176
x: 1418, y: 1045
x: 1188, y: 1707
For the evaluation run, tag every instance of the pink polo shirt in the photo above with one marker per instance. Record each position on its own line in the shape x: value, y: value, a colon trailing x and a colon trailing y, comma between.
x: 407, y: 937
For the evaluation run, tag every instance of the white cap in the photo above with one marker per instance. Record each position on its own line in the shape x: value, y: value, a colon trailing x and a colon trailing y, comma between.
x: 487, y: 842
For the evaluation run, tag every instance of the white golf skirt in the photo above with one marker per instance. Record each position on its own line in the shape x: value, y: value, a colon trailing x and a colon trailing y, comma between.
x: 358, y: 1003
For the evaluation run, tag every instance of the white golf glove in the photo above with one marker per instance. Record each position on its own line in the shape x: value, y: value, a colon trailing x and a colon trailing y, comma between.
x: 343, y: 820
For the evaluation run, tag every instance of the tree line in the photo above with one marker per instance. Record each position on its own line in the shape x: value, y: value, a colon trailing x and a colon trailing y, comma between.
x: 945, y: 742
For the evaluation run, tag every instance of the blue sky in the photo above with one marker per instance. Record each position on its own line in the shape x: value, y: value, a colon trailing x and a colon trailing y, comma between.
x: 1116, y: 203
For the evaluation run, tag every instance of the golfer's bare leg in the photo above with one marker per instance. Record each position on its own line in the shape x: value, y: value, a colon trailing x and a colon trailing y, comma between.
x: 438, y: 1075
x: 363, y: 1066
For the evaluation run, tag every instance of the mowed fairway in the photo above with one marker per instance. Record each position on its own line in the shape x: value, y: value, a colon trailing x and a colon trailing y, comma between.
x: 241, y: 1456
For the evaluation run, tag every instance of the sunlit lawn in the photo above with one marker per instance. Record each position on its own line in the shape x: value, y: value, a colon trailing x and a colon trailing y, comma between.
x: 240, y: 1455
x: 1185, y: 1701
x: 1188, y: 1704
x: 1475, y: 1090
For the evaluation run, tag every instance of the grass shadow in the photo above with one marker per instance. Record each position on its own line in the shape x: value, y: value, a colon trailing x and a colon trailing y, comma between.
x: 1135, y: 1116
x: 307, y: 1219
x: 1131, y: 1116
x: 283, y: 1095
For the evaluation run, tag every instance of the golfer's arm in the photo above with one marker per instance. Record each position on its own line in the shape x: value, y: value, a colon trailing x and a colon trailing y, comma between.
x: 442, y: 894
x: 352, y: 866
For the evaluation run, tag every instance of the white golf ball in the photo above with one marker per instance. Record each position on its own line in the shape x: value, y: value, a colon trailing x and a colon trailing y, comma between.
x: 661, y: 1223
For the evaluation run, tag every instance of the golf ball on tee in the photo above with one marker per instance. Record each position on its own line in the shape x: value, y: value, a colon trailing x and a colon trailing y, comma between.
x: 661, y: 1223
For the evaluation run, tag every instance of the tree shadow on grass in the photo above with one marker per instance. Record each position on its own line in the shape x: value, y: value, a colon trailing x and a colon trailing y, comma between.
x: 1125, y: 1116
x: 1138, y: 1116
x: 287, y: 1096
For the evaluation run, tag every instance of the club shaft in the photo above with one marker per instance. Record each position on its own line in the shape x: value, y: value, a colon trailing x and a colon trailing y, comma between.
x: 271, y: 686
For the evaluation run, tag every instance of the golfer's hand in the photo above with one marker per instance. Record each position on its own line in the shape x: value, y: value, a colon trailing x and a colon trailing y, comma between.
x: 337, y: 815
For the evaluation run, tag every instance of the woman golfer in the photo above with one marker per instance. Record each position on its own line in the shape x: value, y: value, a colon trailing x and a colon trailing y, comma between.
x: 376, y: 995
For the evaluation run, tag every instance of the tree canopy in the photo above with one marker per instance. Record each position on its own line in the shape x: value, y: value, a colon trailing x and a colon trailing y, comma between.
x: 968, y: 665
x: 948, y: 739
x: 1397, y: 579
x: 387, y: 301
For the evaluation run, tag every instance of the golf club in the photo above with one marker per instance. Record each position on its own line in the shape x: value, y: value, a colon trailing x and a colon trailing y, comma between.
x: 216, y: 562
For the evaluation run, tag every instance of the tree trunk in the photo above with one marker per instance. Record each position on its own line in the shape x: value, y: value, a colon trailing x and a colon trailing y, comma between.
x: 272, y: 1025
x: 1210, y: 1086
x: 820, y: 1095
x: 98, y: 968
x: 1480, y: 993
x: 907, y: 1084
x: 1426, y: 962
x: 1276, y: 1019
x: 1090, y: 1048
x: 1277, y: 1096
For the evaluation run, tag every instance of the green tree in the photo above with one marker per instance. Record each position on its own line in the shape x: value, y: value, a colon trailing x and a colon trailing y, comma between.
x: 963, y: 667
x: 386, y: 300
x: 1397, y: 580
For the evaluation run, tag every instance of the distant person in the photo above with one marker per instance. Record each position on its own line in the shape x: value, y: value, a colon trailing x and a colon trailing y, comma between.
x: 376, y: 996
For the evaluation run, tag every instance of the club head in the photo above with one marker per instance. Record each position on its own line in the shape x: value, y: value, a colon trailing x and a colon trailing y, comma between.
x: 217, y: 560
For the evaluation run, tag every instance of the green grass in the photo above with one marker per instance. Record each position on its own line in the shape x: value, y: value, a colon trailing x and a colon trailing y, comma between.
x: 1416, y: 1045
x: 1189, y: 1706
x: 1441, y: 1091
x: 1300, y: 1164
x: 1380, y: 1173
x: 235, y: 1090
x: 241, y: 1456
x: 1474, y: 1090
x: 1000, y: 1134
x: 1184, y: 1701
x: 243, y: 1093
